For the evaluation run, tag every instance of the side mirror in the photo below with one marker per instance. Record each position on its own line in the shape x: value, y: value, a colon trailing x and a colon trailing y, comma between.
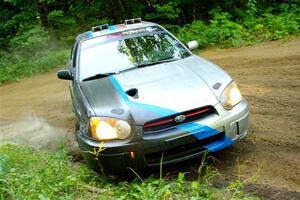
x: 192, y: 45
x: 64, y: 74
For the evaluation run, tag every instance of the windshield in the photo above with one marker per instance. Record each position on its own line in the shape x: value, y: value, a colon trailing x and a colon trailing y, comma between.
x: 115, y: 53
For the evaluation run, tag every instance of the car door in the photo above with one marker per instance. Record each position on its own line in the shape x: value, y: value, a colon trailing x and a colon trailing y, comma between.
x: 81, y: 107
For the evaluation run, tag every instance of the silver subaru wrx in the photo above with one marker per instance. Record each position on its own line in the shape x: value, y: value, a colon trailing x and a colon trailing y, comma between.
x: 139, y: 93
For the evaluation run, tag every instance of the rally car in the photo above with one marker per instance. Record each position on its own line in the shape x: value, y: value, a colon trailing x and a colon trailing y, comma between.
x: 141, y: 98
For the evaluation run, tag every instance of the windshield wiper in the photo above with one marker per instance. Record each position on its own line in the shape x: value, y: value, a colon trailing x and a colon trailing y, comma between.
x: 103, y: 75
x: 149, y: 64
x: 97, y: 76
x: 158, y: 62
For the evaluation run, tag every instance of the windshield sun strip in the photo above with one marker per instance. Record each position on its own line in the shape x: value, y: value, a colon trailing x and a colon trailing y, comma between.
x: 108, y: 40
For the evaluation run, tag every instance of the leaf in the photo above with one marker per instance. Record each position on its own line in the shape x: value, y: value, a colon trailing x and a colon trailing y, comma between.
x: 195, y: 185
x: 3, y: 164
x: 180, y: 178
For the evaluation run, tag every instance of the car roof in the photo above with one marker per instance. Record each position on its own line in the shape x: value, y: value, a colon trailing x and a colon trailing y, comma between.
x: 113, y: 29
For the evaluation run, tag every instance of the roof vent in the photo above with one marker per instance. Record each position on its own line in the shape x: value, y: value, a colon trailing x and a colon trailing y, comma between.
x: 133, y: 21
x: 100, y: 27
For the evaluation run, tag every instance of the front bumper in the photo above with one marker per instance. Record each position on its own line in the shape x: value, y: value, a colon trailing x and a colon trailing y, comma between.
x: 186, y: 141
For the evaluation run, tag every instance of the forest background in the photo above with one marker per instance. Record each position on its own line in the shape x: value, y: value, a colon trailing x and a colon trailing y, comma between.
x: 36, y: 35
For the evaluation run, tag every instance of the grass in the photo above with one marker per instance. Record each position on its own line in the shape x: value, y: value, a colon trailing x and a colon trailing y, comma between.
x: 29, y: 174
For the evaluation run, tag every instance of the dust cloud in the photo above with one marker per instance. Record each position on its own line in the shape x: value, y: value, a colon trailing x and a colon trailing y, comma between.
x: 35, y: 132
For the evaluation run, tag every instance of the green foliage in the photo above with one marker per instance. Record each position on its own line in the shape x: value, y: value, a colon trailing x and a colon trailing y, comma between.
x: 168, y: 11
x: 30, y: 39
x: 280, y: 26
x: 38, y: 175
x: 16, y: 64
x: 220, y: 31
x: 66, y: 25
x: 198, y: 30
x: 225, y: 32
x: 55, y: 15
x: 30, y: 174
x: 33, y: 34
x: 31, y: 51
x: 251, y: 7
x: 273, y: 27
x: 3, y: 165
x: 65, y: 19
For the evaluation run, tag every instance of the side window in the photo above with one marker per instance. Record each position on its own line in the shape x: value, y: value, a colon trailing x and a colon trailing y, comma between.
x: 74, y: 57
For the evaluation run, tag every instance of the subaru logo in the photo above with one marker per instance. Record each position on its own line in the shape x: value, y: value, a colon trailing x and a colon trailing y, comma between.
x: 179, y: 118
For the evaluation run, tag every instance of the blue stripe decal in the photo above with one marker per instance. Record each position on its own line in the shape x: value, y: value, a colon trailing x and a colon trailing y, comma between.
x: 158, y: 110
x: 220, y: 144
x: 198, y: 130
x: 111, y: 28
x: 89, y: 34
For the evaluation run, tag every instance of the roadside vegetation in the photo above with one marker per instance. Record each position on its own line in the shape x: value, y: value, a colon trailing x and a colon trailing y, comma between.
x: 36, y: 36
x: 29, y: 174
x: 30, y: 52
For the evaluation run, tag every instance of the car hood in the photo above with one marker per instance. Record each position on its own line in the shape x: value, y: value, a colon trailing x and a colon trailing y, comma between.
x: 162, y: 90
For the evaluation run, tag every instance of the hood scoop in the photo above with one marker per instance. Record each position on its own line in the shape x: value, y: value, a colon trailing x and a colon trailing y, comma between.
x: 133, y: 92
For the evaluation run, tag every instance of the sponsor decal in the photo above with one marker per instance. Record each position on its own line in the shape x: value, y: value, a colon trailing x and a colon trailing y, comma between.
x: 140, y: 30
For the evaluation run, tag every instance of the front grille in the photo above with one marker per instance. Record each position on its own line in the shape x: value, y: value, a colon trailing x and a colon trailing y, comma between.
x: 169, y: 122
x: 181, y: 151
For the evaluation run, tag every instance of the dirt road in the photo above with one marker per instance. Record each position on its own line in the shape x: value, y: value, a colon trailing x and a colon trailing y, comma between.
x: 269, y: 77
x: 36, y: 111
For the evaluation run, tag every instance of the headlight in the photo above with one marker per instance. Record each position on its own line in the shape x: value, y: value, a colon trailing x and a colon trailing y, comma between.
x: 103, y: 128
x: 230, y: 96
